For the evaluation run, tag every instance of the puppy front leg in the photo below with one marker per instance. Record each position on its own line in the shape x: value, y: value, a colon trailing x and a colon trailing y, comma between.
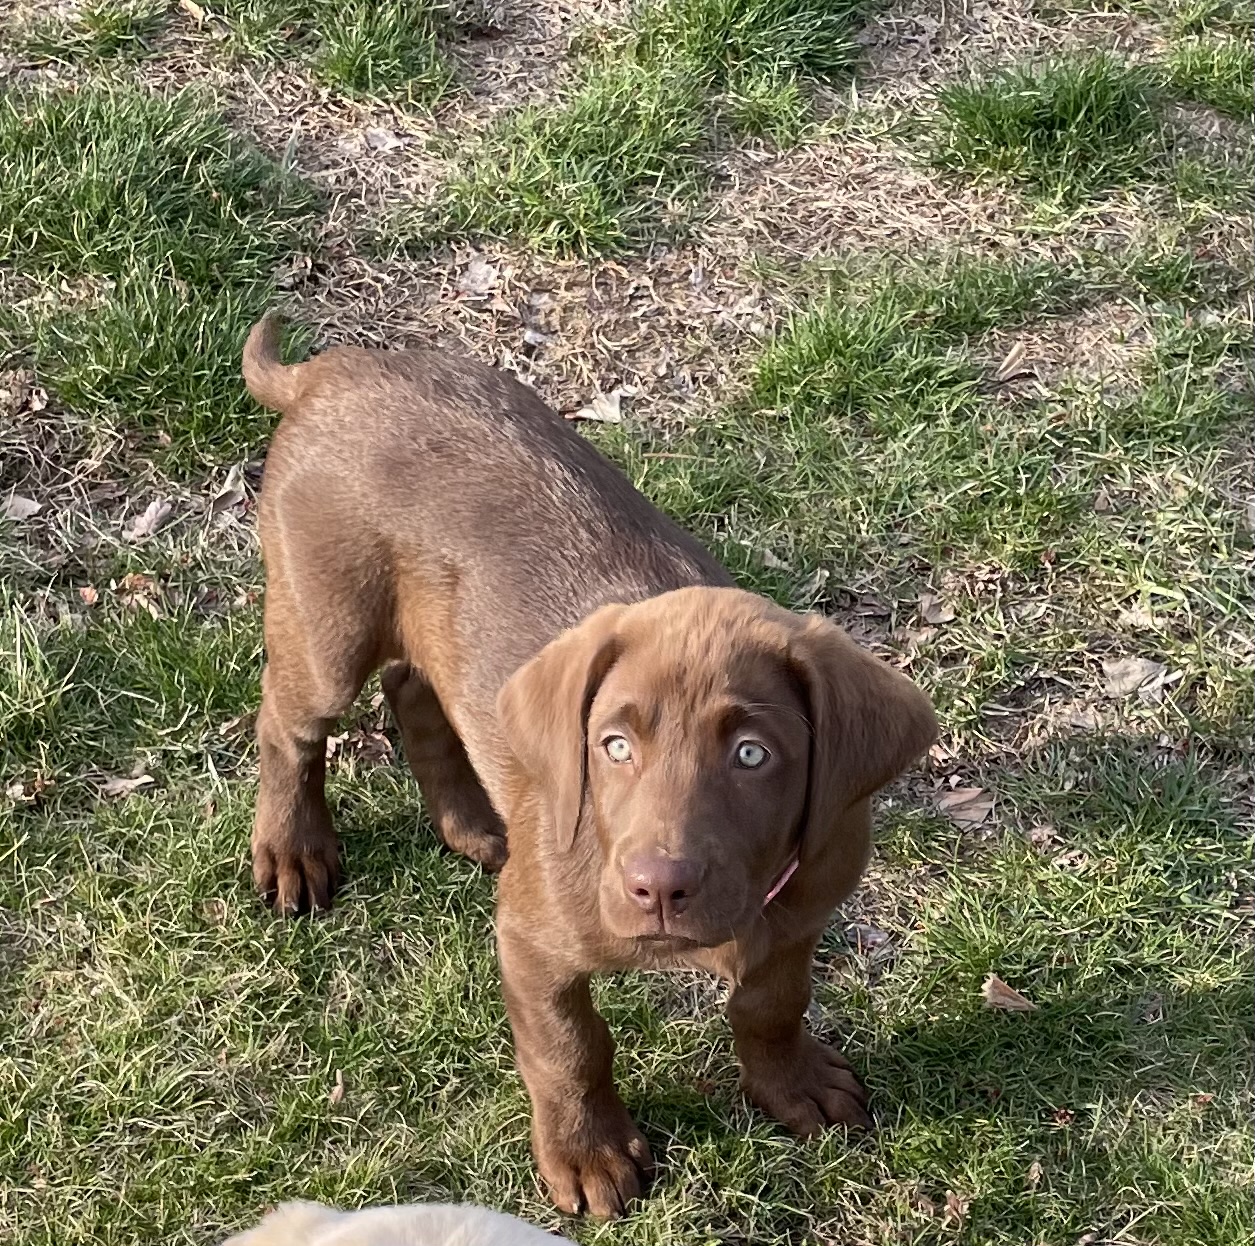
x: 587, y: 1147
x: 784, y: 1070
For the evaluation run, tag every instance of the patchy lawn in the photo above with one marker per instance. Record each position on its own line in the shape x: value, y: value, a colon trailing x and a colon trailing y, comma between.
x: 936, y: 318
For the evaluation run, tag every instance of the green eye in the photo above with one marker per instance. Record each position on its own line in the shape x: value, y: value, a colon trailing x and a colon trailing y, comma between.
x: 749, y: 755
x: 618, y: 749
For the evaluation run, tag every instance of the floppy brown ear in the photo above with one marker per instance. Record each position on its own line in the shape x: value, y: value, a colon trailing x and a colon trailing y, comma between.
x: 543, y: 710
x: 868, y: 722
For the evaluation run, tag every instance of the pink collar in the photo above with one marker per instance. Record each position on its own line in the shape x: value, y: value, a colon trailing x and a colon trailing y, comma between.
x: 778, y: 886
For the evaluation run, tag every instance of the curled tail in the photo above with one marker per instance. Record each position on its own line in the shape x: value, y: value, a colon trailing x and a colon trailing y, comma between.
x: 269, y: 380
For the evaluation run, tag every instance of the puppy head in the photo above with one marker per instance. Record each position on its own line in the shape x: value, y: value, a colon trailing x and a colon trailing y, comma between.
x: 706, y: 737
x: 290, y: 1224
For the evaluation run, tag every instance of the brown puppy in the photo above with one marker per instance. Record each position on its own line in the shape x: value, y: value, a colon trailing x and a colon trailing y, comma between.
x: 683, y: 769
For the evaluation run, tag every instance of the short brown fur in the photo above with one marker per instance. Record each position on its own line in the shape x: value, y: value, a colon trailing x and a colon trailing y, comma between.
x: 576, y: 678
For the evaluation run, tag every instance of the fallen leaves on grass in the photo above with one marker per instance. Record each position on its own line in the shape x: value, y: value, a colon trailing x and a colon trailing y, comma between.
x: 1043, y: 837
x: 194, y: 11
x: 956, y: 1207
x: 18, y: 507
x: 29, y: 790
x: 1015, y: 365
x: 382, y: 141
x: 138, y: 592
x: 997, y: 994
x: 1126, y: 675
x: 604, y: 408
x: 231, y: 494
x: 240, y: 725
x: 478, y: 279
x: 155, y: 516
x: 337, y: 1091
x: 120, y: 786
x: 88, y: 595
x: 867, y: 938
x: 966, y: 807
x: 932, y: 609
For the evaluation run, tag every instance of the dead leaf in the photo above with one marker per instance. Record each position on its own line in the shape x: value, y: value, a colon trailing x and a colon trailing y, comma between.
x: 241, y: 724
x: 232, y: 492
x: 337, y: 1091
x: 1013, y: 366
x: 119, y: 786
x: 1043, y: 836
x: 966, y: 807
x: 1137, y: 618
x: 28, y: 790
x: 535, y: 338
x: 155, y: 515
x: 36, y: 399
x: 138, y: 592
x: 88, y: 595
x: 998, y: 995
x: 1202, y: 1100
x: 383, y: 141
x: 478, y: 279
x: 1033, y: 1180
x: 1102, y: 502
x: 194, y: 11
x: 18, y: 507
x: 935, y: 611
x: 214, y: 911
x: 1126, y: 675
x: 604, y: 408
x: 867, y: 937
x: 956, y: 1207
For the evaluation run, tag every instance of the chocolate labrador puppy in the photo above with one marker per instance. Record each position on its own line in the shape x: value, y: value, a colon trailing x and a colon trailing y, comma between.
x: 667, y: 770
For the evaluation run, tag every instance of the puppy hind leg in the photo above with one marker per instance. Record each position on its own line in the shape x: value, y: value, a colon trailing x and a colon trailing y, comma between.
x: 456, y: 801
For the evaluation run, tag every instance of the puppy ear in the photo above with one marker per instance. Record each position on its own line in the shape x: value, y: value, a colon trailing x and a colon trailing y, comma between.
x: 868, y: 722
x: 543, y: 709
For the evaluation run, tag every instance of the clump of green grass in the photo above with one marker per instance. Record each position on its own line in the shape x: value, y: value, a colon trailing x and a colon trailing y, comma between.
x: 770, y: 104
x: 588, y: 173
x: 162, y: 230
x: 1216, y: 70
x: 367, y: 48
x: 98, y: 31
x: 617, y: 154
x: 1066, y: 128
x: 719, y: 39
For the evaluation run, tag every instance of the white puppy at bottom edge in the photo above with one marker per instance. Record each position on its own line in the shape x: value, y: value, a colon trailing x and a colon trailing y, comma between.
x: 420, y: 1224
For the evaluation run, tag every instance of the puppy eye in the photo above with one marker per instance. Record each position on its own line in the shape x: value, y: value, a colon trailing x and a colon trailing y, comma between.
x: 749, y: 755
x: 617, y: 749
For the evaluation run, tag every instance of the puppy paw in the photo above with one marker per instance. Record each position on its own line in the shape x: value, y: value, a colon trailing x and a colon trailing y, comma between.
x: 486, y: 847
x: 296, y: 873
x: 807, y: 1086
x: 598, y: 1167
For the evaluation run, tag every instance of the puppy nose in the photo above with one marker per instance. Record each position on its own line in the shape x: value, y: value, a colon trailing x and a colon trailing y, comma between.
x: 659, y: 884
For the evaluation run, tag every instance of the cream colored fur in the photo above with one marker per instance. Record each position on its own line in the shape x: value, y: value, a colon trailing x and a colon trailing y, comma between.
x: 431, y: 1224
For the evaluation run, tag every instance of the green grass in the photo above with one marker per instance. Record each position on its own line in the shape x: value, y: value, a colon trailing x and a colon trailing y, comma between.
x: 589, y: 174
x: 158, y: 230
x: 618, y: 154
x: 1219, y: 71
x: 168, y: 1052
x: 98, y: 31
x: 1065, y: 128
x: 362, y: 48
